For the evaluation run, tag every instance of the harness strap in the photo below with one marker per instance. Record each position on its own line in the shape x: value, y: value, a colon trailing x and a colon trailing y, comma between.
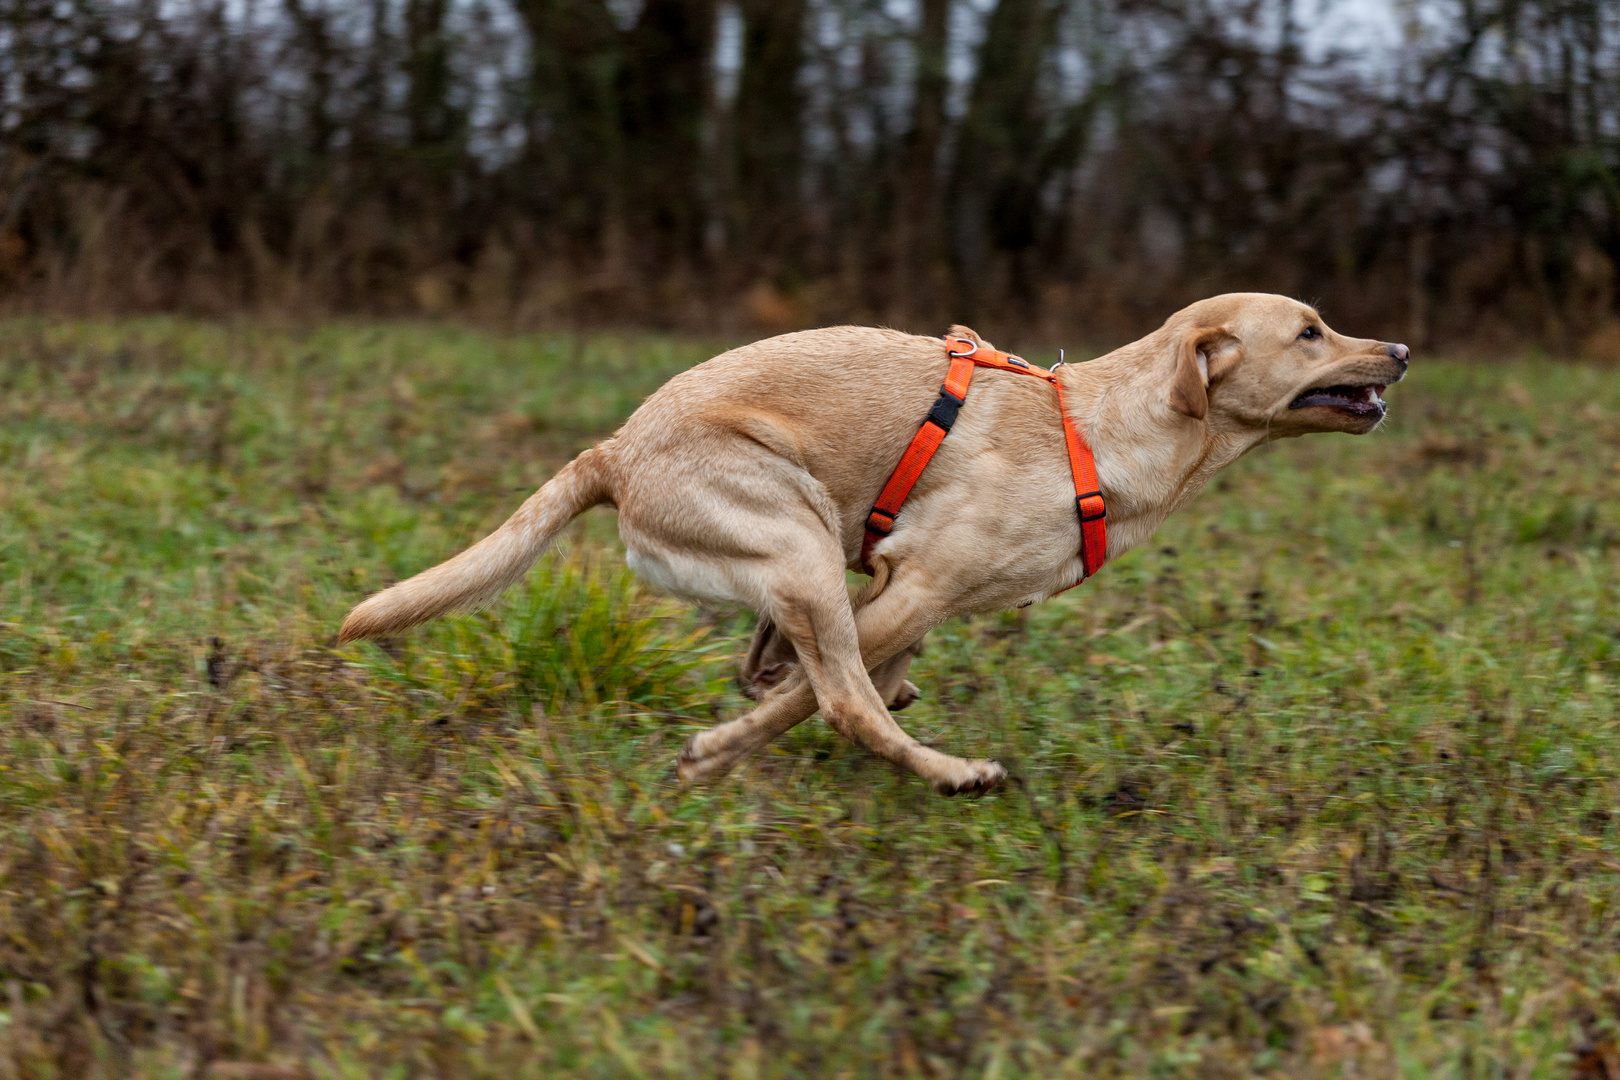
x: 917, y: 456
x: 1088, y: 499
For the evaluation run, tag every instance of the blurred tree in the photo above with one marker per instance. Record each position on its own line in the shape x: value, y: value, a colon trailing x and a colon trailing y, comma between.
x: 431, y: 119
x: 573, y: 146
x: 917, y: 248
x: 1057, y: 163
x: 666, y: 89
x: 1003, y: 157
x: 768, y: 133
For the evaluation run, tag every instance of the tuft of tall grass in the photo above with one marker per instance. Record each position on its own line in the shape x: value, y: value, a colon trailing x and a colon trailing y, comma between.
x: 581, y: 632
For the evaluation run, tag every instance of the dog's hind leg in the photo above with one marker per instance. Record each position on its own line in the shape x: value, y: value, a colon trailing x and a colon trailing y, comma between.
x: 757, y: 528
x: 836, y: 648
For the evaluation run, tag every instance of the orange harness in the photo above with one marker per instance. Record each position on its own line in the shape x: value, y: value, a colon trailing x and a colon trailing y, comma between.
x: 1088, y: 500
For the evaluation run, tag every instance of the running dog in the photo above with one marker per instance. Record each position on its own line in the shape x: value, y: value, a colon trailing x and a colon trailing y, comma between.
x: 751, y: 479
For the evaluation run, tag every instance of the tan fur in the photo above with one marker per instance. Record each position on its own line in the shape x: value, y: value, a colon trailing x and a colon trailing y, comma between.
x: 748, y: 478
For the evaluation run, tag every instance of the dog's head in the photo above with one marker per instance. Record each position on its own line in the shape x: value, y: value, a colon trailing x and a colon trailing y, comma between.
x: 1259, y: 361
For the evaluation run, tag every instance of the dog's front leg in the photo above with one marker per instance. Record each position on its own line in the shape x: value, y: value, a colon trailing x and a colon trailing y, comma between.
x: 771, y: 659
x: 711, y: 754
x: 889, y: 677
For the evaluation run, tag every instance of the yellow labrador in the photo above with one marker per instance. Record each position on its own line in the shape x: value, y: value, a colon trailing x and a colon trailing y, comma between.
x: 748, y: 480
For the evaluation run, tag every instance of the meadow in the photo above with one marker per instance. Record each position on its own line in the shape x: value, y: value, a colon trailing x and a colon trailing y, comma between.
x: 1325, y: 782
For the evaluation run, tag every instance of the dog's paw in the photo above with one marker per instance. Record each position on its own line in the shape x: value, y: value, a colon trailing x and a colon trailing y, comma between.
x: 971, y: 778
x: 907, y: 694
x: 693, y: 766
x: 689, y: 763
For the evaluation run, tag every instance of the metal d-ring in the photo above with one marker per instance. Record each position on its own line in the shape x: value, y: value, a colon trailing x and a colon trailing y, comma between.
x: 959, y: 355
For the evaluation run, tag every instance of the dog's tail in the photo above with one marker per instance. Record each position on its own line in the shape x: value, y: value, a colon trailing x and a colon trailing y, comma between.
x: 485, y: 570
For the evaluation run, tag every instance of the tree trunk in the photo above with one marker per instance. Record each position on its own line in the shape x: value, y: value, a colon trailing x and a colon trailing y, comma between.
x: 574, y: 153
x: 918, y: 230
x: 664, y: 95
x: 1001, y: 155
x: 767, y: 132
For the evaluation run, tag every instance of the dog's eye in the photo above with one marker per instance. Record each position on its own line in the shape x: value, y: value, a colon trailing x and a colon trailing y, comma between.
x: 1310, y: 333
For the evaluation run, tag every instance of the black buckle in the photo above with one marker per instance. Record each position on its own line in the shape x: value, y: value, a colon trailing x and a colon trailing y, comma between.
x: 943, y: 414
x: 881, y: 530
x: 1080, y: 507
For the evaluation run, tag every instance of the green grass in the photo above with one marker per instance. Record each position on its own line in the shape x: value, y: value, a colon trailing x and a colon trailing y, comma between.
x: 1322, y: 783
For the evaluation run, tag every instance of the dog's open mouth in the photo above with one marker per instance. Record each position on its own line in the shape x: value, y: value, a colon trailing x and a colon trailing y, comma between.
x: 1355, y: 400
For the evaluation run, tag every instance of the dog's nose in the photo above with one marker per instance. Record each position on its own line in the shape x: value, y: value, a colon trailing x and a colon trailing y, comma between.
x: 1399, y: 352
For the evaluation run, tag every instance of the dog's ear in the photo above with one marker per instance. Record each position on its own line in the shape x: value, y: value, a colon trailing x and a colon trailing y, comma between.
x: 1189, y: 391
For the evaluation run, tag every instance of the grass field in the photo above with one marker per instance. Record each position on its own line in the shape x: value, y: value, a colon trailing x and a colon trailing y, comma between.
x: 1323, y: 783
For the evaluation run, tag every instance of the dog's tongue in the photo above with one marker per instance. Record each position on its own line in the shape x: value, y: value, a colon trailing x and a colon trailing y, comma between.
x: 1360, y: 400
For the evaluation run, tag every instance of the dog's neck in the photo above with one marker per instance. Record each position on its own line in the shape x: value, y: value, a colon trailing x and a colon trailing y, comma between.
x: 1151, y: 459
